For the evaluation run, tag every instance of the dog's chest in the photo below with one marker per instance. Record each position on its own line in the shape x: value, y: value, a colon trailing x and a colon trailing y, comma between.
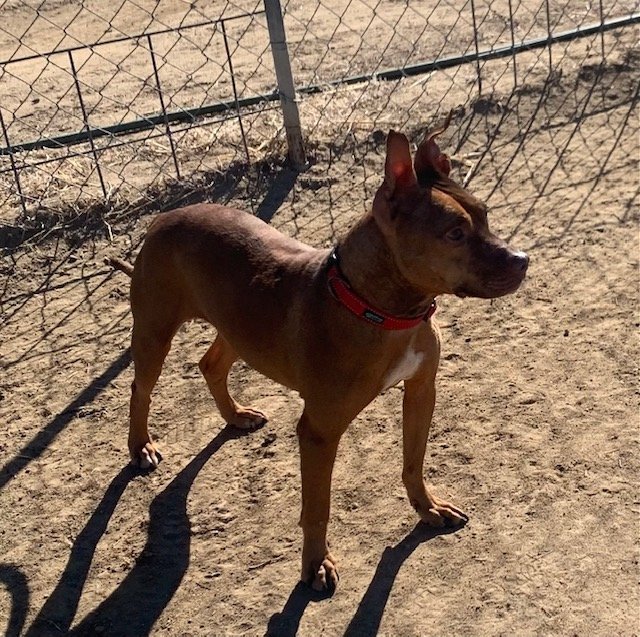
x: 404, y: 368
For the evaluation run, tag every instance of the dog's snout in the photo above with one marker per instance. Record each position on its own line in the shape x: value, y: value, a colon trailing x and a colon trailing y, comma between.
x: 519, y: 261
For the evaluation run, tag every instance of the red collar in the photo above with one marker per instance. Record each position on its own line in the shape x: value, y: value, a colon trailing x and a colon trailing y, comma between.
x: 341, y: 291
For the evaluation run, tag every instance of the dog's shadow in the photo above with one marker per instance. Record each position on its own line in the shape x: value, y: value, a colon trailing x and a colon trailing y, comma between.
x: 136, y: 604
x: 368, y: 616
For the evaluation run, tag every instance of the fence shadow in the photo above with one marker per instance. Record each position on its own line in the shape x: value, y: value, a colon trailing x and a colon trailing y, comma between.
x: 36, y: 446
x: 556, y: 110
x: 270, y: 179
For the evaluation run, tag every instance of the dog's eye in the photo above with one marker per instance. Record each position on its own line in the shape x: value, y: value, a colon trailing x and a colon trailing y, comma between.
x: 456, y: 235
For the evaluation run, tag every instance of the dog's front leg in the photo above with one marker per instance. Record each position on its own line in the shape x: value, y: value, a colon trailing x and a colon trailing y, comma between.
x: 318, y: 447
x: 417, y: 410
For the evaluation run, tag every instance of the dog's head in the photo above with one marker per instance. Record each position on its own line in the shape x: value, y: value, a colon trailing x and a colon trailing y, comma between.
x: 437, y: 230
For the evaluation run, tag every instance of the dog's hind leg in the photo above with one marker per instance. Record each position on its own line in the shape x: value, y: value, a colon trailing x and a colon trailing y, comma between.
x: 215, y: 366
x: 148, y: 351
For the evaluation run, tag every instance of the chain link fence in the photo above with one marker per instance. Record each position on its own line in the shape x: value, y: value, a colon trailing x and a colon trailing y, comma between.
x: 111, y: 109
x: 509, y: 71
x: 108, y: 104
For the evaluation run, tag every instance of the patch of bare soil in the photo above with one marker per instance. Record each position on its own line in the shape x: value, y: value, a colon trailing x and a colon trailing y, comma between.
x: 535, y: 433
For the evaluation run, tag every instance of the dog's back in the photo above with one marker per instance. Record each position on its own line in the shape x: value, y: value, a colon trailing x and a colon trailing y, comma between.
x: 233, y: 270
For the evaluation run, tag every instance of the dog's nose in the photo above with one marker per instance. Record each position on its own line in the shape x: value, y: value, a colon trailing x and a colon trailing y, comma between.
x: 520, y: 261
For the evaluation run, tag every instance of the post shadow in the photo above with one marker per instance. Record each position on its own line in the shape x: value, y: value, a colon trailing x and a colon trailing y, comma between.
x: 277, y: 192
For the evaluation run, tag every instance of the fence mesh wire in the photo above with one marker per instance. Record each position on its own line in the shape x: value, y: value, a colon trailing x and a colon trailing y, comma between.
x: 139, y: 79
x: 177, y: 97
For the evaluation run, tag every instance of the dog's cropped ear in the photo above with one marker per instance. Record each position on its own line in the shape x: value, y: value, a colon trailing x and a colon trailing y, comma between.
x: 429, y: 157
x: 398, y: 175
x: 398, y: 167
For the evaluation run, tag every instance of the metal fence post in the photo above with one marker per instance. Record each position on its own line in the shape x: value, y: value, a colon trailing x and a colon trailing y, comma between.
x: 286, y: 86
x: 513, y: 47
x: 549, y: 36
x: 604, y: 59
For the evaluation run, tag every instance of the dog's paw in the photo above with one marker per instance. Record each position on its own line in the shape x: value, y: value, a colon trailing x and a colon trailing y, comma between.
x: 438, y: 513
x: 444, y: 514
x: 146, y: 458
x: 322, y: 577
x: 247, y: 419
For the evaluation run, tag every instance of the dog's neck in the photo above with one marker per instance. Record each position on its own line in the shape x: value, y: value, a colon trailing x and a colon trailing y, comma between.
x: 369, y: 266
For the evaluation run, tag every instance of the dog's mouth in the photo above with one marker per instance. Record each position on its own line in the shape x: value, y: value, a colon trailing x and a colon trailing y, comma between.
x: 496, y: 287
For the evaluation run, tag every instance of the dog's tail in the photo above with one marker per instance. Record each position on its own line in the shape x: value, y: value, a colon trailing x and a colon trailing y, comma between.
x: 120, y: 264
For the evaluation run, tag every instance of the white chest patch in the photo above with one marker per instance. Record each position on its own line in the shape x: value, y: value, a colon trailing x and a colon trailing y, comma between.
x: 405, y: 368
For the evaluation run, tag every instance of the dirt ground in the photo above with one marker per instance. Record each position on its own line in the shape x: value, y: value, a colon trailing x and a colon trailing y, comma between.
x: 535, y: 433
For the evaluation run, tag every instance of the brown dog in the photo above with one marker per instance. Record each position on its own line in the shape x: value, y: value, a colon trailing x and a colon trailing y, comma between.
x: 337, y: 326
